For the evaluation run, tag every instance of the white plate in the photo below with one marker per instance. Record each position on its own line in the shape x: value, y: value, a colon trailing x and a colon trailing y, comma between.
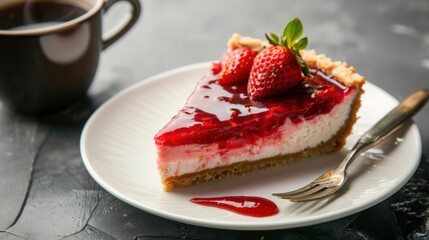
x: 118, y: 150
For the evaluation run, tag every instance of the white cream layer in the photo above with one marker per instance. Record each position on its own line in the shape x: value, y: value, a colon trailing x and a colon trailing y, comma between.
x: 291, y: 138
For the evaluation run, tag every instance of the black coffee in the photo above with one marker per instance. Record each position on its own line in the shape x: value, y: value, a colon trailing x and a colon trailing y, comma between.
x: 37, y: 14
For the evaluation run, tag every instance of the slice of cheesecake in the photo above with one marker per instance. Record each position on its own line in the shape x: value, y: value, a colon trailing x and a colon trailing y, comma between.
x: 225, y: 130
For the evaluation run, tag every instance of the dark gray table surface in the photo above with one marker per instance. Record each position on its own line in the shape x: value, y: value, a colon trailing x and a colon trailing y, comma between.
x: 46, y: 192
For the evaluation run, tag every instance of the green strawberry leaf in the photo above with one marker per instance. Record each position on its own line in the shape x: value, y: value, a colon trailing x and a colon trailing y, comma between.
x: 306, y: 70
x: 283, y: 41
x: 273, y: 39
x: 293, y: 31
x: 304, y: 67
x: 301, y: 44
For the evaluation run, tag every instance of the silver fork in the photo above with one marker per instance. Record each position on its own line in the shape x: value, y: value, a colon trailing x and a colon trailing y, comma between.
x: 331, y: 181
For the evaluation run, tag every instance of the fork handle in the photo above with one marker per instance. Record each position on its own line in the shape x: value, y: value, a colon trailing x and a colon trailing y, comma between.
x: 388, y: 124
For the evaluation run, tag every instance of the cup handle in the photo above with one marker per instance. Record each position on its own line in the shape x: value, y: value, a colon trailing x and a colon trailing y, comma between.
x: 125, y: 25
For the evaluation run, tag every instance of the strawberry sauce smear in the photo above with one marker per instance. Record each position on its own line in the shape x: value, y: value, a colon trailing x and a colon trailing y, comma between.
x: 244, y: 205
x: 218, y: 113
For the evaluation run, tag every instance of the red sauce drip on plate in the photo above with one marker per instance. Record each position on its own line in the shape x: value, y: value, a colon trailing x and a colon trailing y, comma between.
x: 218, y: 113
x: 245, y: 205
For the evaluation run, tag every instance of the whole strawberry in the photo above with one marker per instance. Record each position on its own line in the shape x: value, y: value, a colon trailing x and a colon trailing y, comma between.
x: 280, y: 67
x: 236, y: 65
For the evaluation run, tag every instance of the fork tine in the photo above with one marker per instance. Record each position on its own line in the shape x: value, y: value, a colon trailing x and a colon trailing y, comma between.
x: 315, y: 189
x: 313, y: 184
x: 321, y: 194
x: 297, y: 191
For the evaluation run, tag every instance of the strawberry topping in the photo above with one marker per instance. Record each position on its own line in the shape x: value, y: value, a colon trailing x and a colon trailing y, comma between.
x: 280, y: 67
x: 236, y: 65
x: 275, y: 71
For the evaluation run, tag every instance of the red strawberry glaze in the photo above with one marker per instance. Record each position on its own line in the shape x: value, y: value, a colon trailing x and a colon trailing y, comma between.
x: 245, y: 205
x: 218, y: 113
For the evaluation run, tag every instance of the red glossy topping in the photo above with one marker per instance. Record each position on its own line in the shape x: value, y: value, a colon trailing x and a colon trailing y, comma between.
x: 245, y: 205
x: 218, y: 113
